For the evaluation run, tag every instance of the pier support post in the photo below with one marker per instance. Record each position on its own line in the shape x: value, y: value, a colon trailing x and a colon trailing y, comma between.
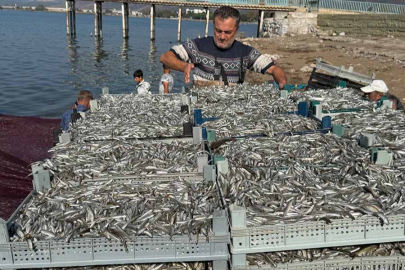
x: 98, y: 19
x: 179, y: 28
x: 125, y: 20
x: 74, y: 17
x: 152, y: 22
x: 68, y: 32
x: 260, y: 23
x: 207, y: 20
x: 70, y: 18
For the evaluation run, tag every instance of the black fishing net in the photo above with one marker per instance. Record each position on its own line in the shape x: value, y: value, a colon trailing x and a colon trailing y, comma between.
x: 23, y: 140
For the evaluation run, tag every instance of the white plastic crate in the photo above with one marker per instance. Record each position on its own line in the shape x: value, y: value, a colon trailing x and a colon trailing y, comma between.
x: 365, y: 263
x: 341, y: 232
x: 101, y: 251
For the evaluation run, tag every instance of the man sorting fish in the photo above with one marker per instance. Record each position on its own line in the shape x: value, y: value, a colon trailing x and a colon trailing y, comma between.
x: 378, y: 90
x: 220, y: 59
x: 82, y: 105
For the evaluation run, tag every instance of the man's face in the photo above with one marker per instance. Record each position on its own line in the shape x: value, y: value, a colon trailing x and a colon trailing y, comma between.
x: 224, y: 32
x: 138, y: 79
x: 374, y: 96
x: 85, y: 102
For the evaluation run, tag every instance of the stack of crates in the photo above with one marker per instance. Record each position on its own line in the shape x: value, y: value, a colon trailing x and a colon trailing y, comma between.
x: 101, y: 251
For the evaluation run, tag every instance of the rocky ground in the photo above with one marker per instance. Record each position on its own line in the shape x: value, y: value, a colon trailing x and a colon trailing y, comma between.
x: 383, y: 56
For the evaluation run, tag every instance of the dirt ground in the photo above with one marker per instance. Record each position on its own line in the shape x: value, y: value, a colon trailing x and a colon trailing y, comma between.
x: 385, y: 57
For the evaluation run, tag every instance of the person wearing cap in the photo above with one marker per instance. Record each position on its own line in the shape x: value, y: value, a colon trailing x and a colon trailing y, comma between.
x: 378, y: 89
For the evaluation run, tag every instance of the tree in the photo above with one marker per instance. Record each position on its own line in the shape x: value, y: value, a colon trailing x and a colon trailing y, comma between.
x: 1, y: 7
x: 196, y: 16
x: 249, y: 16
x: 40, y: 8
x: 165, y: 14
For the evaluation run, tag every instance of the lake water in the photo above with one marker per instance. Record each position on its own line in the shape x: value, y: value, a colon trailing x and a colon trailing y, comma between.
x: 41, y: 69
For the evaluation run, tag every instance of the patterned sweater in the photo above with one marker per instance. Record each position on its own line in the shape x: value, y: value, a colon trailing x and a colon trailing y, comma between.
x: 203, y: 51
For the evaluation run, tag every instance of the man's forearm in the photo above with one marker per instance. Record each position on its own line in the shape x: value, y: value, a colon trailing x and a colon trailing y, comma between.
x: 279, y: 76
x: 172, y: 62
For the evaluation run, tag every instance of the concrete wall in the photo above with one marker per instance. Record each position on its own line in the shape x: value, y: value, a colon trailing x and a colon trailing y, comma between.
x: 364, y: 24
x: 294, y: 23
x: 302, y: 23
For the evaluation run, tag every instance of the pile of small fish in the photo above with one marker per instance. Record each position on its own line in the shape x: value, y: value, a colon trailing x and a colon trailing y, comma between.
x: 335, y: 99
x: 301, y: 194
x: 309, y: 255
x: 221, y: 94
x: 259, y: 101
x: 119, y: 211
x: 247, y: 110
x: 279, y: 151
x: 278, y: 179
x: 244, y: 125
x: 155, y: 266
x: 387, y: 126
x: 77, y: 161
x: 132, y: 116
x: 305, y: 178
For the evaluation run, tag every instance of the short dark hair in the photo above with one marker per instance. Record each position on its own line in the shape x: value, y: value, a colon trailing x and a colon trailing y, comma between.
x: 84, y: 95
x: 226, y: 12
x: 165, y: 67
x: 138, y: 73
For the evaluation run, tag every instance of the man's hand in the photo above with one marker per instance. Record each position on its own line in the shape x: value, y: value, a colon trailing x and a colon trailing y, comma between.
x: 281, y: 85
x: 187, y: 69
x: 172, y: 62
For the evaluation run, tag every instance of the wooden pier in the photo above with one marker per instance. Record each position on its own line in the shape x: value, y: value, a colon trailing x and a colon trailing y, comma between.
x: 98, y: 22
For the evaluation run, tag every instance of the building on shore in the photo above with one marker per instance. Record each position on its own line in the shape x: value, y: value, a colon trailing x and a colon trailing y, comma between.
x: 54, y: 9
x: 136, y: 13
x: 10, y: 7
x: 195, y: 10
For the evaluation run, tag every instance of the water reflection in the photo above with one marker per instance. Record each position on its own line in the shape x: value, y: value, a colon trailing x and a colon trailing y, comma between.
x: 124, y: 55
x: 152, y: 56
x: 99, y: 53
x: 125, y: 48
x: 154, y: 72
x: 72, y: 52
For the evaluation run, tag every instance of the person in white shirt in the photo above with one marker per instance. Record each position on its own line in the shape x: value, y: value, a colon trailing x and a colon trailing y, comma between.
x: 142, y: 86
x: 166, y: 82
